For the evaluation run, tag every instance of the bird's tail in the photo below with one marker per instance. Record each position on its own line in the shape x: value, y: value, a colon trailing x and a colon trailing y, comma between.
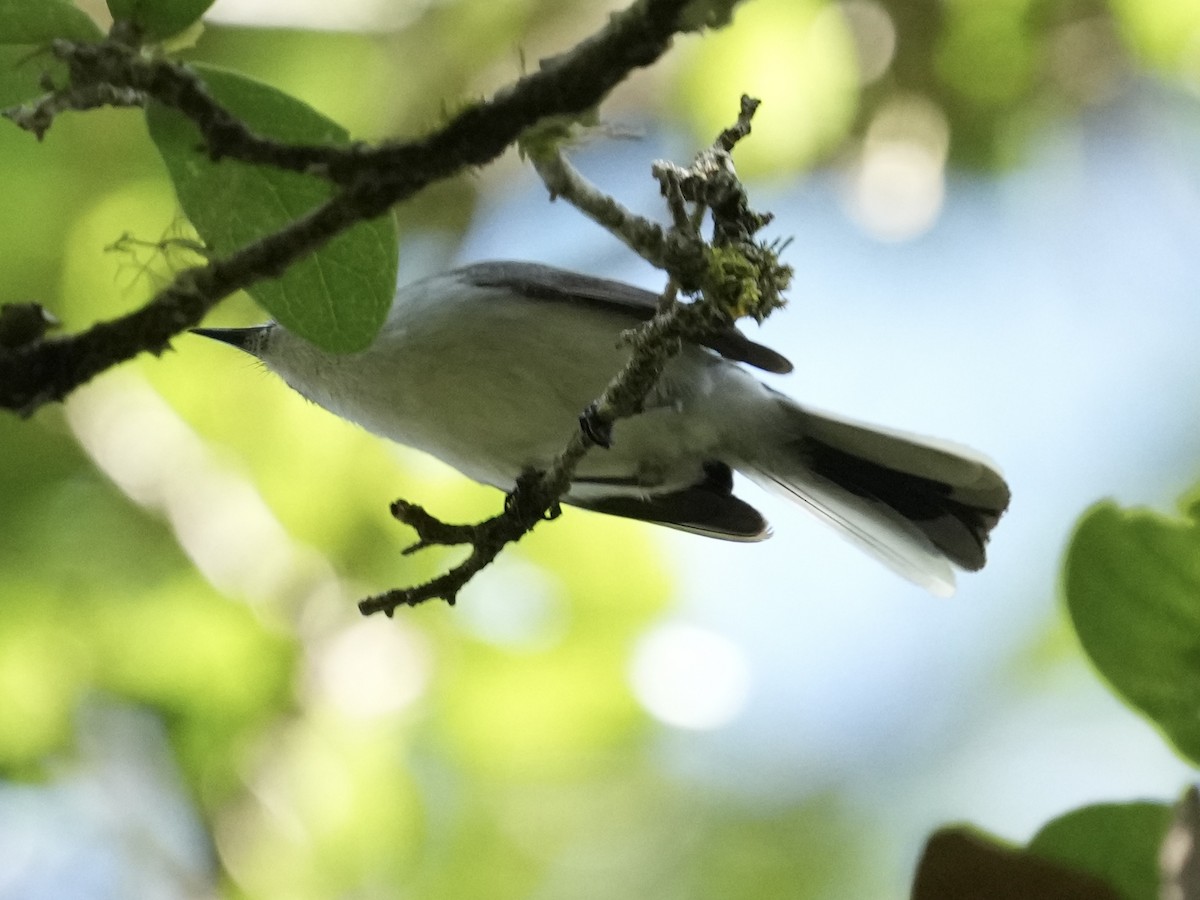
x: 915, y: 503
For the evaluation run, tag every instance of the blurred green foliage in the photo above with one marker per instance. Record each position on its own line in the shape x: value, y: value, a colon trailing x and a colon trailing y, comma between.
x: 22, y: 22
x: 1132, y: 584
x: 960, y: 862
x: 183, y: 539
x: 1119, y: 842
x: 159, y: 19
x: 1097, y: 852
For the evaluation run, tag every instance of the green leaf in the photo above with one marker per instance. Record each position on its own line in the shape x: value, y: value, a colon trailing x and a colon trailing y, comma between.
x: 159, y: 18
x: 960, y: 863
x: 1132, y: 583
x: 41, y: 21
x: 1117, y: 842
x: 336, y: 298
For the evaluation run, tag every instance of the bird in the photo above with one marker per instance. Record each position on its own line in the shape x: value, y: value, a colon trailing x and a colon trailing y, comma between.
x: 489, y: 366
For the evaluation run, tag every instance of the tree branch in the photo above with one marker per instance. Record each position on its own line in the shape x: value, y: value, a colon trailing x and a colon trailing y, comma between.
x: 370, y: 181
x: 565, y: 85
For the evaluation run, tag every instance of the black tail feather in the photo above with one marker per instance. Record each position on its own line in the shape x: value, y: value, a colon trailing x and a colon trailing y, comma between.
x: 955, y: 517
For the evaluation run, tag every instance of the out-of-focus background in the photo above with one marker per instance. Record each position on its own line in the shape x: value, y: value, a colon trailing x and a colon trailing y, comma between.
x: 995, y: 213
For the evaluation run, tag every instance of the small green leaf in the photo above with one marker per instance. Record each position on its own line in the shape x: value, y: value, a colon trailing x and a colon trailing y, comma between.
x: 1132, y: 583
x: 159, y: 18
x: 41, y: 21
x: 336, y: 298
x: 1117, y: 842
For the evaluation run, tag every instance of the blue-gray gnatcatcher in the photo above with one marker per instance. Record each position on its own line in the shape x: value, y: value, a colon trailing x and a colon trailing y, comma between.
x: 488, y: 368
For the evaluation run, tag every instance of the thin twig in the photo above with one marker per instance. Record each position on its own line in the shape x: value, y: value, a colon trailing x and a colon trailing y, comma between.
x: 37, y: 117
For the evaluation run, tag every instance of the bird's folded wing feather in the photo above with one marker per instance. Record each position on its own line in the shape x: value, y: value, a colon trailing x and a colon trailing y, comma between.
x: 538, y: 282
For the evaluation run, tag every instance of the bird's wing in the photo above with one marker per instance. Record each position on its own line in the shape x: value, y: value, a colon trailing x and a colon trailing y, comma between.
x: 707, y: 507
x: 538, y: 282
x: 692, y: 509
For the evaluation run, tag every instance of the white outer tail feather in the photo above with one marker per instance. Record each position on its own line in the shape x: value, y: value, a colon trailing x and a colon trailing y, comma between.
x: 881, y: 532
x: 962, y: 478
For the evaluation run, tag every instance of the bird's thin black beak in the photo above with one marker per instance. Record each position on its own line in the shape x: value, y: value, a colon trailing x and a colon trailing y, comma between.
x: 242, y: 338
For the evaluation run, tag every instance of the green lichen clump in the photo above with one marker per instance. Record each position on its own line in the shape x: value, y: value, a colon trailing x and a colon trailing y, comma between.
x: 748, y: 280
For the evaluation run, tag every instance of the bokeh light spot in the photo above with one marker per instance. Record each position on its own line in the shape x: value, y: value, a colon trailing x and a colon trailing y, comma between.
x: 690, y: 677
x: 897, y: 181
x: 874, y: 34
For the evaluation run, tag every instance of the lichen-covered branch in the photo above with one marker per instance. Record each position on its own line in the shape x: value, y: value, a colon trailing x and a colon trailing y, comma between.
x: 566, y: 85
x: 370, y: 180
